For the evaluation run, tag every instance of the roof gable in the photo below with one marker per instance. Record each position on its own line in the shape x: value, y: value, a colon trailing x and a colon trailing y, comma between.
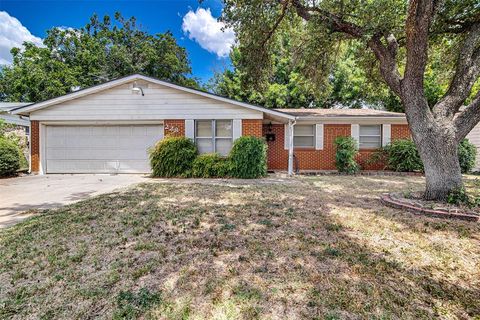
x: 105, y: 86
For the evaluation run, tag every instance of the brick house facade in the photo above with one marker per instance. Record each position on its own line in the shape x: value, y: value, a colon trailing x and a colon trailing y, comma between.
x: 310, y: 159
x: 66, y: 137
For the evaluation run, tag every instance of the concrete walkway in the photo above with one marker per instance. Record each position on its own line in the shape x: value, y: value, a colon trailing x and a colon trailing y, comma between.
x: 21, y: 194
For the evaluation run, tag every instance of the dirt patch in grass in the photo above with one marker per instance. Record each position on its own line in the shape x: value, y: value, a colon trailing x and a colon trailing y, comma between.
x: 316, y: 247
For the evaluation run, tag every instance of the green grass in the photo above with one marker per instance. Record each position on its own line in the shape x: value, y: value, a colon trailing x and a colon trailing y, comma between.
x: 311, y: 248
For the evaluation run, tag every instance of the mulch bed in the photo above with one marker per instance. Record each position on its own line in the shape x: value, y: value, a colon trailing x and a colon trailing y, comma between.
x: 415, y: 204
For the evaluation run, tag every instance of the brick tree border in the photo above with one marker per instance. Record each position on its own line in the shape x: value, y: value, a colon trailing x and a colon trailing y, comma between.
x: 387, y: 200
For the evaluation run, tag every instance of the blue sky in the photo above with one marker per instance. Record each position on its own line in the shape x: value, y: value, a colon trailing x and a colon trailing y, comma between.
x: 205, y: 45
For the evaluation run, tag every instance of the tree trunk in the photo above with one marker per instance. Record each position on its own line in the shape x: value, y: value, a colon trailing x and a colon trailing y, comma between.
x: 442, y: 169
x: 437, y: 144
x: 438, y: 149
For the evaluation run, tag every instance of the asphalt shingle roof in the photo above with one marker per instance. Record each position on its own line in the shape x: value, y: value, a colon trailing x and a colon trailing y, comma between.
x: 341, y: 113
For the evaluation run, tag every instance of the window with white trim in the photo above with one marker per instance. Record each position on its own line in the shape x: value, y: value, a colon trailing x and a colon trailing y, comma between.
x: 214, y: 136
x: 304, y: 136
x: 370, y: 136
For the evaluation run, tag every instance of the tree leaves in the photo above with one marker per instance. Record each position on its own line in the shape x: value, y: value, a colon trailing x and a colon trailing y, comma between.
x: 101, y: 51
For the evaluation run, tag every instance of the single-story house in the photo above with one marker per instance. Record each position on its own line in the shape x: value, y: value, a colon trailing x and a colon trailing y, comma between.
x: 17, y: 120
x: 109, y: 127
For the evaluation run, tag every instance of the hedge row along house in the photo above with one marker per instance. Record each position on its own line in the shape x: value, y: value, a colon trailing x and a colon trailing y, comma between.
x: 108, y: 128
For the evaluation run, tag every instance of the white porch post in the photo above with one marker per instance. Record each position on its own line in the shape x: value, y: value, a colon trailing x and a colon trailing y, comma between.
x: 291, y: 124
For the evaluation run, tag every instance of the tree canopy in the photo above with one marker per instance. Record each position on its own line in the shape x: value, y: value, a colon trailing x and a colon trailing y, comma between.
x: 328, y: 48
x: 348, y: 85
x: 100, y: 51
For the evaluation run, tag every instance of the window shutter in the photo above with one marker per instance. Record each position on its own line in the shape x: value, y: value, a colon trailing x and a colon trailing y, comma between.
x: 386, y: 134
x: 355, y: 132
x: 286, y: 136
x: 237, y: 129
x: 190, y: 129
x: 319, y: 136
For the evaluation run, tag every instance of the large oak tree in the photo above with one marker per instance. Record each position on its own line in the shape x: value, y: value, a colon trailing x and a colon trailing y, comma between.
x: 401, y: 36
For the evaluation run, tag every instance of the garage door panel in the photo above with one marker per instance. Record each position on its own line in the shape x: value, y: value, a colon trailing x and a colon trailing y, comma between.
x: 154, y: 130
x: 55, y: 153
x: 56, y: 141
x: 77, y: 131
x: 56, y: 132
x: 139, y: 131
x: 100, y: 149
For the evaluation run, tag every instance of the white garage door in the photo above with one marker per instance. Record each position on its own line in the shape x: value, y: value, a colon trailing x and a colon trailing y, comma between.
x: 100, y: 149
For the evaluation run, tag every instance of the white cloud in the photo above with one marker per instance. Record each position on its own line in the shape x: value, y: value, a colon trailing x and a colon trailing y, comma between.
x: 13, y: 34
x: 207, y: 31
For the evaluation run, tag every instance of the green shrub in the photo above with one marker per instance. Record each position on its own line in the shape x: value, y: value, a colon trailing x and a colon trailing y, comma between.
x: 345, y: 155
x: 173, y: 157
x: 248, y: 158
x: 9, y: 157
x: 459, y: 196
x: 24, y: 165
x: 402, y: 155
x: 467, y: 154
x: 211, y: 165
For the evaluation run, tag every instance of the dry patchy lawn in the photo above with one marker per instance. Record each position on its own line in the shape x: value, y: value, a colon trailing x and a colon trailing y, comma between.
x: 311, y: 248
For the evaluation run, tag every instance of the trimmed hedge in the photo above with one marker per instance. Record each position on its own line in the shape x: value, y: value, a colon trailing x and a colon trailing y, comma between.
x: 402, y: 155
x: 173, y: 157
x: 248, y: 158
x: 177, y: 157
x: 211, y: 165
x: 467, y: 155
x: 9, y: 157
x: 345, y: 155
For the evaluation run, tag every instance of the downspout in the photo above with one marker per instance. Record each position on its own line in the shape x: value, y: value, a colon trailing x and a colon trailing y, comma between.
x: 291, y: 125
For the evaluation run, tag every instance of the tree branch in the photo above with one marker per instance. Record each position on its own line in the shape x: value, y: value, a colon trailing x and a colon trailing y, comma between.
x: 419, y: 18
x: 387, y: 58
x: 285, y: 4
x: 385, y: 55
x: 466, y: 120
x: 466, y: 74
x: 334, y: 22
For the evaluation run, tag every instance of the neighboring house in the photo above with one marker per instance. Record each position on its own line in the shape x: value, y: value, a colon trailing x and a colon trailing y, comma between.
x: 474, y: 137
x: 20, y: 121
x: 109, y: 127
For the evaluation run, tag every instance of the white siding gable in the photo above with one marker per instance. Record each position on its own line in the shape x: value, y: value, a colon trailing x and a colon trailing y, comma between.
x: 159, y: 103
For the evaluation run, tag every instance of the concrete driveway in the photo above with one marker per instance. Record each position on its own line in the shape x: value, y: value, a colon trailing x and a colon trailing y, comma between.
x: 48, y: 191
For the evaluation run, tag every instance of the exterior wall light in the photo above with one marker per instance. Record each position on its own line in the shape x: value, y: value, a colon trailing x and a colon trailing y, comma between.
x: 137, y: 89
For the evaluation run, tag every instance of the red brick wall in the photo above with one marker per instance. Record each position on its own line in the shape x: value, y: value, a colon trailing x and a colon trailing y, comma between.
x: 311, y: 159
x: 364, y: 159
x: 252, y: 128
x: 307, y: 158
x: 277, y: 156
x: 35, y: 146
x: 174, y: 128
x: 400, y: 131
